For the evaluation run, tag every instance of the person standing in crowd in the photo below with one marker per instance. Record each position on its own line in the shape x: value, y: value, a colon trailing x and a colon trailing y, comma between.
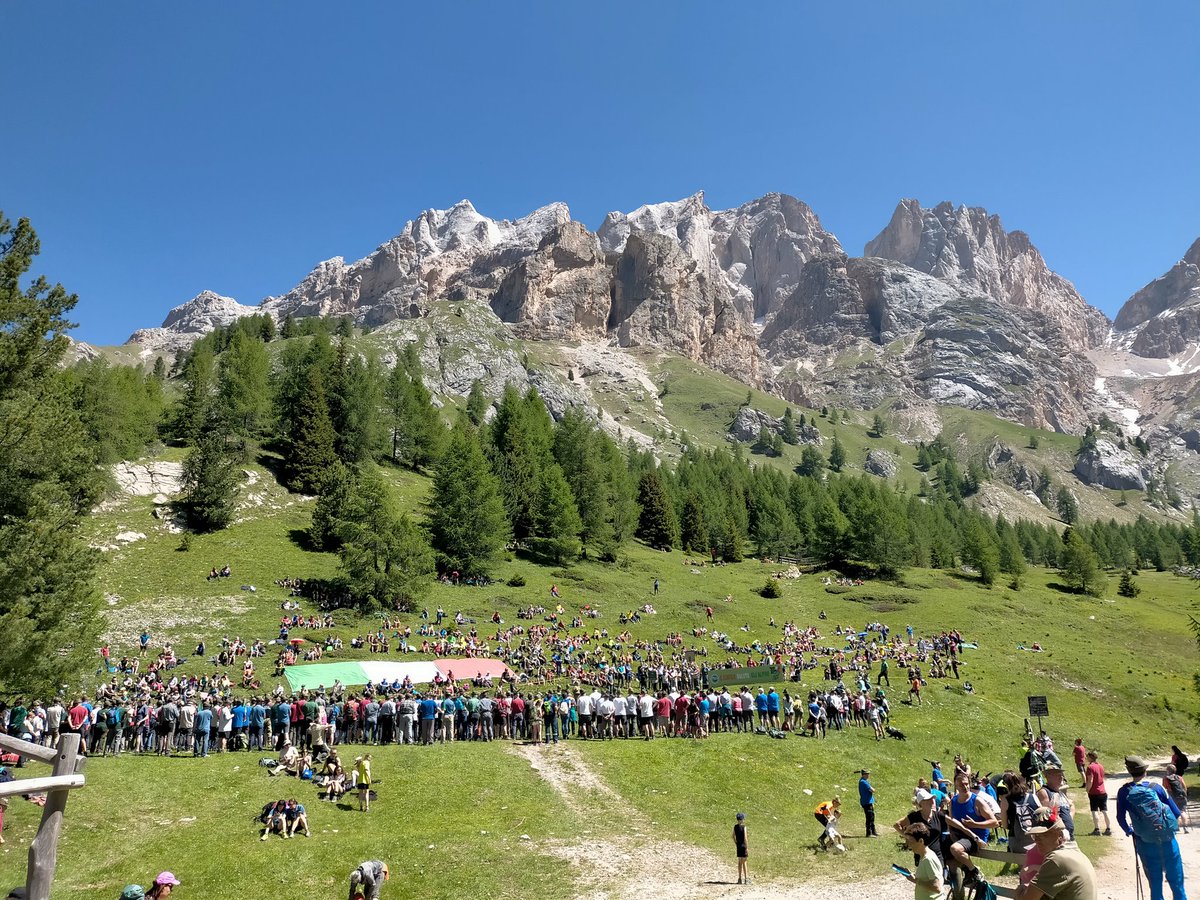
x: 1066, y: 874
x: 1147, y: 814
x: 1056, y: 793
x: 1097, y: 794
x: 866, y: 799
x: 742, y: 849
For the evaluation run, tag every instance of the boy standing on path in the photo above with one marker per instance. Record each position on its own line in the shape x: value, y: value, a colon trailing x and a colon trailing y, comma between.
x: 866, y: 798
x: 743, y: 852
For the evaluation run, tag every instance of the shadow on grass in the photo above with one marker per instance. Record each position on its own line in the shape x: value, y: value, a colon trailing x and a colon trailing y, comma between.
x: 1063, y: 589
x: 300, y: 537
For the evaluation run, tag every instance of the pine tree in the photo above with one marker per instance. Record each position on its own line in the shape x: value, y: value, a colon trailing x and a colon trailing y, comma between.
x: 763, y: 443
x: 979, y: 550
x: 1068, y: 508
x: 385, y: 558
x: 1128, y: 587
x: 657, y: 525
x: 477, y: 404
x: 878, y: 427
x: 311, y: 444
x: 789, y: 427
x: 289, y: 329
x: 337, y: 492
x: 416, y: 426
x: 468, y: 524
x: 811, y: 464
x: 837, y: 455
x: 1079, y: 566
x: 557, y: 522
x: 210, y: 480
x: 160, y: 369
x: 242, y: 385
x: 49, y: 478
x: 693, y: 534
x: 196, y: 405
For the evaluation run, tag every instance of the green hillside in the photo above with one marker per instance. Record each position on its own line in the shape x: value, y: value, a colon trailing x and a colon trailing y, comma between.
x: 477, y: 820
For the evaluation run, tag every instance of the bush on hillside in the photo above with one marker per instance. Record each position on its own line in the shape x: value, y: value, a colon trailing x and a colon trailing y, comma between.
x: 771, y: 590
x: 517, y: 580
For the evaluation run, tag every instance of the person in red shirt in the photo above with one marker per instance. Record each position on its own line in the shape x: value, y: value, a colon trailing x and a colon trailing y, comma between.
x: 1097, y: 794
x: 1080, y: 752
x: 77, y: 715
x: 662, y: 713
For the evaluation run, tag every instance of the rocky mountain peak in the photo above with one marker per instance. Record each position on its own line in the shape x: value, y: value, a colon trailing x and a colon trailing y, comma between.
x: 970, y: 246
x: 1163, y: 318
x: 189, y: 321
x: 672, y: 218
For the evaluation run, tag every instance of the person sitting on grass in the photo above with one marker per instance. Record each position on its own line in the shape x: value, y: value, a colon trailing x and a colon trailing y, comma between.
x: 164, y: 885
x: 289, y: 760
x: 274, y: 819
x: 295, y: 818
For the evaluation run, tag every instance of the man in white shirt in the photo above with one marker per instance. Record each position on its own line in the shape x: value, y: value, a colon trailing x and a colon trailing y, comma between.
x: 646, y: 714
x: 584, y: 702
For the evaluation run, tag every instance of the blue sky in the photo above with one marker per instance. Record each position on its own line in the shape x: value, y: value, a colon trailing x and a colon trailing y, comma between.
x: 162, y: 149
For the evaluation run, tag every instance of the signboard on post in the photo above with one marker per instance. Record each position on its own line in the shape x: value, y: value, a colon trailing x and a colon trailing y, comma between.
x: 746, y: 675
x: 1038, y: 707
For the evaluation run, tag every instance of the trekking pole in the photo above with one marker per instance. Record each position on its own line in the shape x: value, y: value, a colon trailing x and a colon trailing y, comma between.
x: 1137, y: 871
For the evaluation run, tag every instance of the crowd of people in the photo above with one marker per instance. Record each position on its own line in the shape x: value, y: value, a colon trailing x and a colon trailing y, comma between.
x: 569, y: 677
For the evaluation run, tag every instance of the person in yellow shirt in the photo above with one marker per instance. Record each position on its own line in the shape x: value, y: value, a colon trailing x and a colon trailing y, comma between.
x: 362, y: 781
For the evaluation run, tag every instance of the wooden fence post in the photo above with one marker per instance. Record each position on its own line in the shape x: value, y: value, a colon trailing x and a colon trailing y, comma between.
x: 43, y: 850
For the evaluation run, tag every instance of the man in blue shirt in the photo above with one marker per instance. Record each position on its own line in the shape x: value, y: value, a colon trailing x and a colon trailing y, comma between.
x: 258, y: 717
x: 427, y: 710
x: 200, y: 730
x: 866, y: 799
x: 773, y: 707
x: 281, y: 718
x: 241, y: 721
x: 1153, y: 835
x: 760, y: 707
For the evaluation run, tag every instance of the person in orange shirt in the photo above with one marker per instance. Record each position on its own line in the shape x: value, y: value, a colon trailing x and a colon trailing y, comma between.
x: 827, y: 814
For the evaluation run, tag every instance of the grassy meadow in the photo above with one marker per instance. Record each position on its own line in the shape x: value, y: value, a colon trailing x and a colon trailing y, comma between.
x: 471, y: 820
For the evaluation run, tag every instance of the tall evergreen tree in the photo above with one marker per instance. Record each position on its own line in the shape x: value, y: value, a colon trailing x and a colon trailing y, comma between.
x: 210, y: 480
x: 311, y: 452
x: 557, y: 522
x: 693, y: 532
x: 199, y: 391
x: 385, y: 558
x: 467, y: 521
x: 49, y: 605
x: 837, y: 454
x: 417, y: 432
x: 1079, y: 566
x: 242, y: 385
x: 477, y: 404
x: 330, y: 510
x: 657, y: 524
x: 789, y: 428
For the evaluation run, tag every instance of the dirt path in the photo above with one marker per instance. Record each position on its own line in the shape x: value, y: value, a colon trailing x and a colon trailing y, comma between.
x: 638, y: 864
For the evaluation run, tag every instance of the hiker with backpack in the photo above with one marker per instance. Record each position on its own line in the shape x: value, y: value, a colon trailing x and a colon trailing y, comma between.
x: 1147, y: 813
x: 1177, y: 789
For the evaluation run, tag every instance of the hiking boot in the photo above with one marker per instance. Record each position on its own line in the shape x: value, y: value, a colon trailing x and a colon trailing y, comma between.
x: 1095, y: 832
x: 1108, y: 832
x: 972, y: 878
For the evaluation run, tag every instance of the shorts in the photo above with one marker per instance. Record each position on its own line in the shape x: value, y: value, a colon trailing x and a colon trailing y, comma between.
x: 969, y: 843
x: 743, y: 853
x: 661, y: 721
x: 1098, y: 802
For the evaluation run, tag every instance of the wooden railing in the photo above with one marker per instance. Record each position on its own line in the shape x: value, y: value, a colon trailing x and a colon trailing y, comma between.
x: 66, y: 775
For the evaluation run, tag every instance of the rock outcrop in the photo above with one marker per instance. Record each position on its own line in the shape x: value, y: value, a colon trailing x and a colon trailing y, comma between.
x: 148, y: 479
x: 1106, y: 465
x: 968, y: 246
x: 749, y: 421
x: 881, y: 463
x: 560, y: 290
x: 190, y: 321
x: 1163, y: 318
x: 455, y: 253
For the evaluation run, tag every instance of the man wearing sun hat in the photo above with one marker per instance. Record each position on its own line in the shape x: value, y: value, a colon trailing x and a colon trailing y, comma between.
x: 1148, y: 815
x: 1066, y: 873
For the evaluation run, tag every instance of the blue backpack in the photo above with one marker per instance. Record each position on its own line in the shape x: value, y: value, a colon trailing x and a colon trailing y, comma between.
x: 1152, y: 820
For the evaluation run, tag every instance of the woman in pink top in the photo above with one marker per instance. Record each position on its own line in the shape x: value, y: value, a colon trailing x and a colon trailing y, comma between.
x: 1097, y: 794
